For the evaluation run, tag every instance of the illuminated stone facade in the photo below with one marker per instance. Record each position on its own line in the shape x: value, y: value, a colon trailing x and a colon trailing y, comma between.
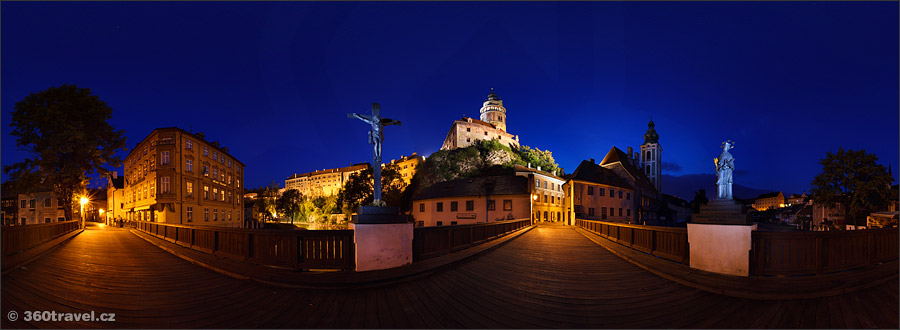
x: 326, y: 182
x: 174, y: 176
x: 547, y: 194
x: 767, y: 201
x: 41, y: 207
x: 492, y: 126
x: 407, y: 166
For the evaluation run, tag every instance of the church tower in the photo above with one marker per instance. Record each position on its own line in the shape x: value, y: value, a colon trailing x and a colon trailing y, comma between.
x: 651, y: 156
x: 493, y: 111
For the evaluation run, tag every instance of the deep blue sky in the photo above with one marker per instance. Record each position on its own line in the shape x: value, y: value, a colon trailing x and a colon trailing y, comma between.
x: 274, y: 81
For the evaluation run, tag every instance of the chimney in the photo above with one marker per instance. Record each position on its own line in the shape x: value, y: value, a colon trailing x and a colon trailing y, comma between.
x: 592, y: 161
x: 529, y: 165
x: 637, y: 158
x: 538, y: 168
x: 630, y: 151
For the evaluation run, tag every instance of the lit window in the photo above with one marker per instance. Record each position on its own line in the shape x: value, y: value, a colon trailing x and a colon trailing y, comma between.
x: 206, y: 214
x: 190, y: 213
x: 205, y: 192
x: 164, y: 185
x: 190, y: 189
x: 190, y: 165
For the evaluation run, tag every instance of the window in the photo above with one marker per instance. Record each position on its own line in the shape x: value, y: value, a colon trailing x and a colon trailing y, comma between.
x: 552, y: 198
x: 46, y: 202
x: 628, y: 211
x: 229, y: 163
x: 205, y: 151
x: 620, y: 211
x: 46, y: 220
x: 189, y: 165
x: 453, y: 223
x: 205, y: 170
x: 215, y: 193
x: 648, y: 169
x: 189, y: 188
x: 648, y: 158
x: 190, y: 213
x: 545, y: 184
x: 205, y: 192
x: 222, y: 195
x: 602, y: 192
x: 628, y: 196
x: 215, y: 156
x: 470, y: 205
x: 440, y: 206
x: 24, y: 204
x: 164, y: 158
x: 468, y: 129
x: 229, y: 215
x: 188, y: 144
x: 454, y: 206
x: 215, y: 214
x: 537, y: 182
x: 440, y: 223
x: 507, y: 205
x: 590, y: 211
x: 164, y: 185
x: 545, y: 198
x: 205, y: 214
x: 612, y: 193
x: 620, y: 194
x: 59, y: 202
x: 603, y: 212
x: 215, y: 172
x: 590, y: 190
x: 467, y: 140
x: 421, y: 207
x: 545, y: 216
x: 60, y: 219
x: 491, y: 205
x: 420, y: 223
x: 153, y: 188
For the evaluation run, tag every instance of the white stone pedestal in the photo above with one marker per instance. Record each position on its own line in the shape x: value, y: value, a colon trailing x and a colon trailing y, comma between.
x: 723, y: 249
x: 381, y: 246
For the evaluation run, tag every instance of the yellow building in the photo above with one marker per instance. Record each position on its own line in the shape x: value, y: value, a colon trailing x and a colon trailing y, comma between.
x: 408, y: 165
x: 326, y: 182
x: 492, y: 126
x: 547, y: 194
x: 175, y: 176
x: 767, y: 201
x: 115, y: 198
x: 473, y: 200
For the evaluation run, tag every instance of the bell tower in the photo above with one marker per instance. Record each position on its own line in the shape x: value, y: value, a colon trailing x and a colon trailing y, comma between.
x: 651, y: 156
x: 493, y: 111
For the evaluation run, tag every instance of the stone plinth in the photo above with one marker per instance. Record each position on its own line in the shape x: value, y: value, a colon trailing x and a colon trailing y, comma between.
x: 723, y: 249
x: 383, y: 238
x: 723, y: 212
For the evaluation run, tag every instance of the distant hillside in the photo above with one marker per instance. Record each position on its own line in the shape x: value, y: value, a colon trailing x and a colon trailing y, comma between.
x: 684, y: 187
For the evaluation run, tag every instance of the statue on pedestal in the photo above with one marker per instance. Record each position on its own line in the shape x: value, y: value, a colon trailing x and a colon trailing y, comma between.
x: 376, y: 136
x: 724, y: 169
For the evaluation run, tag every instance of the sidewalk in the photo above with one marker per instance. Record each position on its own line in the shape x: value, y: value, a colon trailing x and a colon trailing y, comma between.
x: 755, y: 287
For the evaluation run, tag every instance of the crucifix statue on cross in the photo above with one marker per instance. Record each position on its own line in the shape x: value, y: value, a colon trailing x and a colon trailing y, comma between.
x: 376, y: 136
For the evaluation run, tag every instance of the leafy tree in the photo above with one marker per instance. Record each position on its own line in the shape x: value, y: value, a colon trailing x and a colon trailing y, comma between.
x: 264, y: 208
x: 537, y: 157
x: 67, y: 132
x: 359, y: 189
x: 290, y: 204
x: 699, y: 199
x: 854, y: 179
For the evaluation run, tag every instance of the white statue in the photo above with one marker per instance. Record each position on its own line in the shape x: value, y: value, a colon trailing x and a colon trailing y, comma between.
x: 724, y: 169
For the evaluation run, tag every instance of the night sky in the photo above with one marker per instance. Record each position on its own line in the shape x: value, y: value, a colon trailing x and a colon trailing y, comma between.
x: 274, y: 81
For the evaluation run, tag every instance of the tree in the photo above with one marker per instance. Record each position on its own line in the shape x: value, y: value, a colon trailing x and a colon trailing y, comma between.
x: 539, y: 158
x: 359, y: 189
x: 854, y: 179
x: 699, y: 199
x: 289, y: 204
x: 67, y: 132
x: 264, y: 208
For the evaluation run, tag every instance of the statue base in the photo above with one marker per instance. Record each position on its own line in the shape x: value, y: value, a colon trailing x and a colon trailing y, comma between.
x: 722, y: 212
x: 379, y: 215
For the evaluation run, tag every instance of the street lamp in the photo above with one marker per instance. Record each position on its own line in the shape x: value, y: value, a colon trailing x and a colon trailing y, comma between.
x: 84, y: 200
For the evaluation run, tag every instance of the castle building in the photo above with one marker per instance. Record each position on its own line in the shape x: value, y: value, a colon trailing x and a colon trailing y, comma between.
x: 326, y: 182
x: 651, y: 156
x: 175, y: 176
x: 491, y: 126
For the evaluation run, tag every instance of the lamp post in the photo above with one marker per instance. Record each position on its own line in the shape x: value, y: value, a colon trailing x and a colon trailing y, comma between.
x: 83, y: 201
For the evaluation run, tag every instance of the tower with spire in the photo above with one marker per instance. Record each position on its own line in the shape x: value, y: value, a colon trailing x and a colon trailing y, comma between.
x: 493, y: 111
x: 651, y: 156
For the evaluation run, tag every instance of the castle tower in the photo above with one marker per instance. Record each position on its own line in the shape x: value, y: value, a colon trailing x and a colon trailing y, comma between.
x: 651, y: 156
x: 493, y: 111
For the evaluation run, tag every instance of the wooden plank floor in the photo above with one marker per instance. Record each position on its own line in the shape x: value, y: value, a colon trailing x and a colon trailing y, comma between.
x: 550, y: 277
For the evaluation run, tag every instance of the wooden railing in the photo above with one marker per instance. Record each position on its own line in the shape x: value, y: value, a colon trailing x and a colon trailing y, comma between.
x: 18, y: 238
x: 430, y: 242
x: 665, y: 242
x: 294, y: 249
x: 817, y: 252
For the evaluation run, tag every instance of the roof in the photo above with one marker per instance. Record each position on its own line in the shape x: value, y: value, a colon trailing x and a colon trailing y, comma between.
x: 590, y: 172
x: 118, y: 182
x: 520, y: 168
x: 194, y: 136
x: 502, y: 185
x: 674, y: 200
x: 354, y: 167
x: 616, y: 155
x: 769, y: 195
x: 476, y: 121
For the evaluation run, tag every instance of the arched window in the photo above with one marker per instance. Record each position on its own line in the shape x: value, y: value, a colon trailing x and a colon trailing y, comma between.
x: 648, y: 169
x: 648, y: 158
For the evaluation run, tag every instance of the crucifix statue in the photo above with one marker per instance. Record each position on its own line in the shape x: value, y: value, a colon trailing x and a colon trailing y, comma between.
x: 376, y: 136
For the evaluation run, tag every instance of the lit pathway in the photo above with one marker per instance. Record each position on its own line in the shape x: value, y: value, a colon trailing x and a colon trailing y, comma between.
x: 550, y: 277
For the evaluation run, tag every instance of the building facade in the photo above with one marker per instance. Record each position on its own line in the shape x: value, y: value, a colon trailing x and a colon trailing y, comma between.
x: 115, y: 198
x: 408, y: 165
x: 326, y: 182
x: 175, y: 176
x: 473, y: 200
x: 597, y: 193
x: 41, y: 207
x: 547, y: 193
x: 491, y: 126
x: 767, y: 201
x: 646, y: 201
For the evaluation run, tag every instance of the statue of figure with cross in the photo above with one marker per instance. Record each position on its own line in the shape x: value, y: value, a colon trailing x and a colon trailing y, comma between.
x: 376, y: 136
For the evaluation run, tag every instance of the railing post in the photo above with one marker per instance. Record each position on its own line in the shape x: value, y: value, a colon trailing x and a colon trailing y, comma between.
x: 215, y: 240
x: 820, y: 254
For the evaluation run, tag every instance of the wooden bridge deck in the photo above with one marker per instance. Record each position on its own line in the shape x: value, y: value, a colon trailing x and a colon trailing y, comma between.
x: 550, y: 277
